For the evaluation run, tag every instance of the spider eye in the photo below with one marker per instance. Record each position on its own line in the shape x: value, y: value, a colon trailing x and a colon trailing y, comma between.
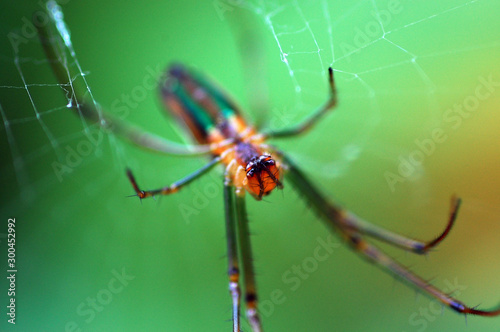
x: 269, y: 162
x: 250, y: 172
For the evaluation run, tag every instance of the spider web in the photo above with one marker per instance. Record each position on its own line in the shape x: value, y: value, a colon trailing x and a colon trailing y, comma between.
x: 398, y: 66
x: 307, y: 41
x: 378, y: 50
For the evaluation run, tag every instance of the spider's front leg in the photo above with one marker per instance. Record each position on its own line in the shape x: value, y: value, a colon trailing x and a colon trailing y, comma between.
x: 176, y: 186
x: 388, y: 264
x: 232, y: 251
x: 239, y: 247
x: 338, y: 218
x: 335, y: 218
x: 247, y: 259
x: 315, y: 117
x: 352, y: 222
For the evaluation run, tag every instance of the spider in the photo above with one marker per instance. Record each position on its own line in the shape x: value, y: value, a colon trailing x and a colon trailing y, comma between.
x: 250, y: 166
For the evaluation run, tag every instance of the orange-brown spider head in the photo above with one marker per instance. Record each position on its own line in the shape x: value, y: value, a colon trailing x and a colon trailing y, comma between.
x: 263, y: 175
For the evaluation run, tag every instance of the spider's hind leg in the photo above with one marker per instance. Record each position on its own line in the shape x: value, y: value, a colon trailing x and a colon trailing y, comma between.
x: 52, y: 36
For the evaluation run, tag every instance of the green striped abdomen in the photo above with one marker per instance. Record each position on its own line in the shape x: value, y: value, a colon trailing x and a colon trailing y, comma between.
x: 197, y: 103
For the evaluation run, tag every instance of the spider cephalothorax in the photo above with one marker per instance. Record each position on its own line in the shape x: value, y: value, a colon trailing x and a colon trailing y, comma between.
x: 263, y: 175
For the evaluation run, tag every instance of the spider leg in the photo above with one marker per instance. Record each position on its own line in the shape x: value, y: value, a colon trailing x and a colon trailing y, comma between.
x: 89, y: 110
x: 232, y: 251
x: 340, y: 218
x: 246, y: 257
x: 389, y: 265
x: 176, y: 186
x: 335, y: 219
x: 351, y: 221
x: 314, y: 118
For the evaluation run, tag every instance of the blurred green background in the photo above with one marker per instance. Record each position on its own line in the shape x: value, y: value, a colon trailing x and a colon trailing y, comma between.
x: 74, y: 233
